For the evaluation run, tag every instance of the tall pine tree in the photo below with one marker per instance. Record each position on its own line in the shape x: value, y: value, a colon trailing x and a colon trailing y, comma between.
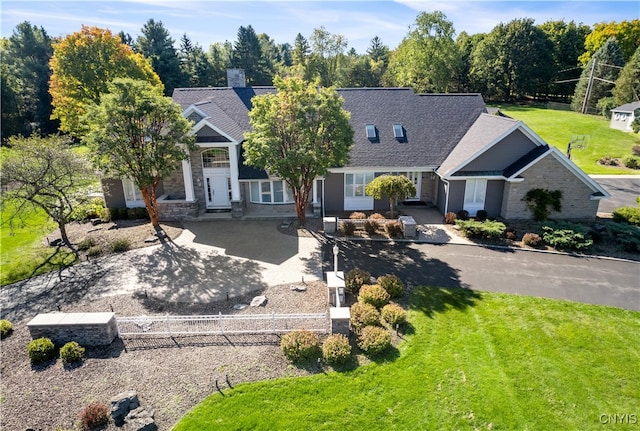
x: 627, y: 87
x: 156, y: 45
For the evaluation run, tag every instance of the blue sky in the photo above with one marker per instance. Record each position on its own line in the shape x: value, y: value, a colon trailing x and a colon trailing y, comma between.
x: 206, y: 22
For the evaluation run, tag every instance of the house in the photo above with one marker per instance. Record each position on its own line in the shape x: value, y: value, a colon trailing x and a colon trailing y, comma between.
x: 623, y: 116
x: 457, y: 155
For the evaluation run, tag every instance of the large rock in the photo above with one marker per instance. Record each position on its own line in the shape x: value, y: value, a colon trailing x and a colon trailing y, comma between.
x: 259, y: 301
x: 122, y: 404
x: 140, y: 419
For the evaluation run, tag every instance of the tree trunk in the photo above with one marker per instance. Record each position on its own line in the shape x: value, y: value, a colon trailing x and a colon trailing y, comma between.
x: 301, y: 197
x: 65, y: 238
x: 391, y: 206
x: 150, y: 201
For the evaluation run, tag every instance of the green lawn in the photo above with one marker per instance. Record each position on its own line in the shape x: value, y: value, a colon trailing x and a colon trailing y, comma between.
x: 557, y: 127
x: 498, y: 362
x: 21, y: 250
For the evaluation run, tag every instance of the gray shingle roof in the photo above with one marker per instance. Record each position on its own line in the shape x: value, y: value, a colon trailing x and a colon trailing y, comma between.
x: 627, y: 107
x: 486, y: 129
x: 434, y: 123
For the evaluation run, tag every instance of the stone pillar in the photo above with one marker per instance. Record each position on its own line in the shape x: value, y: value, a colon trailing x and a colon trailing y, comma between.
x: 408, y: 226
x: 330, y: 224
x: 236, y: 209
x: 340, y: 317
x: 87, y: 329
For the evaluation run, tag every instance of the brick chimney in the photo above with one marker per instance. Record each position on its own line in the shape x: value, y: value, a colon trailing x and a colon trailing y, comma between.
x: 235, y: 78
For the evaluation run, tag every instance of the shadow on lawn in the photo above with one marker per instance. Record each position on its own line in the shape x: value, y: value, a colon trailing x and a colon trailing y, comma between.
x: 430, y: 300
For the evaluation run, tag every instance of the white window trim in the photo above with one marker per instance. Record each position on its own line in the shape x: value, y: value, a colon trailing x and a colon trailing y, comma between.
x: 130, y: 188
x: 364, y: 202
x: 286, y: 192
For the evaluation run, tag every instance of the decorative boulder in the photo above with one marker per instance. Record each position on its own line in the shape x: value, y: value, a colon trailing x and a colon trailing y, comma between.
x: 122, y: 404
x: 259, y: 301
x: 140, y: 419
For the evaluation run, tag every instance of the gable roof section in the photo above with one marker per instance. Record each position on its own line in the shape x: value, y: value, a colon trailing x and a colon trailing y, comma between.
x: 627, y: 107
x: 485, y: 132
x: 434, y: 123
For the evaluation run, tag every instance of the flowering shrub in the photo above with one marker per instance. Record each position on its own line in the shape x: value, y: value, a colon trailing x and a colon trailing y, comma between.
x: 300, y: 345
x: 392, y: 284
x: 336, y: 349
x: 373, y: 294
x: 363, y: 315
x: 374, y: 340
x: 393, y: 314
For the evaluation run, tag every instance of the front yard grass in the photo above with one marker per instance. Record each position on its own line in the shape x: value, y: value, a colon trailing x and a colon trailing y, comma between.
x: 557, y: 127
x: 485, y: 361
x: 21, y: 251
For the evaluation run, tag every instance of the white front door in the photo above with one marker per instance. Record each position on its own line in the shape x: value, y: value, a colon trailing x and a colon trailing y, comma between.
x: 475, y: 192
x: 416, y: 179
x: 216, y: 190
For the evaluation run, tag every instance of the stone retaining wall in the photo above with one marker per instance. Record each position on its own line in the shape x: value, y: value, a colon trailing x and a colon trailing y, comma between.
x: 87, y: 329
x: 176, y: 210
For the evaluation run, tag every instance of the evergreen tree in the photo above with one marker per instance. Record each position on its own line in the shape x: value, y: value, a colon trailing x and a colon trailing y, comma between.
x: 377, y: 51
x: 301, y: 51
x: 219, y: 57
x: 156, y: 45
x: 600, y: 72
x: 627, y: 87
x: 196, y: 68
x: 247, y: 55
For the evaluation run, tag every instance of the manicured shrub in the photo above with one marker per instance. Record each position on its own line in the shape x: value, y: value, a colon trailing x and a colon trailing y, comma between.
x: 510, y: 233
x: 631, y: 162
x: 354, y: 279
x: 71, y: 353
x: 376, y: 216
x: 481, y: 215
x: 487, y: 229
x: 394, y: 314
x: 531, y: 239
x: 357, y: 216
x: 450, y: 217
x: 6, y: 328
x: 566, y: 236
x: 120, y: 245
x: 299, y: 346
x: 336, y: 349
x: 41, y: 350
x: 626, y: 236
x: 392, y: 284
x: 363, y: 315
x: 371, y: 226
x: 629, y: 215
x: 373, y: 294
x: 462, y: 215
x: 393, y: 229
x: 93, y: 416
x: 86, y: 244
x: 608, y: 161
x: 374, y: 340
x: 94, y: 251
x: 347, y: 227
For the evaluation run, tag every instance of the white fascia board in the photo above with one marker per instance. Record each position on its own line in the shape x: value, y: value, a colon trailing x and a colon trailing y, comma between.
x: 348, y: 169
x: 475, y: 177
x: 205, y: 122
x: 193, y: 108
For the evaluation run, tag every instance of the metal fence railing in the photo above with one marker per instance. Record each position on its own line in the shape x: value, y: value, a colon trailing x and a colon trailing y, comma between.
x: 222, y: 324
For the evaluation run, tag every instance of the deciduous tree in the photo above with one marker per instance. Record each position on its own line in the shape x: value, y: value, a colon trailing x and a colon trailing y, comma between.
x: 83, y: 64
x: 137, y: 133
x: 48, y: 174
x: 395, y: 187
x: 298, y: 134
x: 626, y: 33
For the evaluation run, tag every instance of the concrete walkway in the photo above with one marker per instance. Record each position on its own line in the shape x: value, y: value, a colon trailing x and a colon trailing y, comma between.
x: 430, y: 226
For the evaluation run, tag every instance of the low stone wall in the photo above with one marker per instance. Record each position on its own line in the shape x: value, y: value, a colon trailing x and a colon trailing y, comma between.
x: 176, y: 210
x: 87, y: 329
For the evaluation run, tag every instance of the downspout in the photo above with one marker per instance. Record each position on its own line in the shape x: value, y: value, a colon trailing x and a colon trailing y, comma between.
x: 322, y: 203
x: 446, y: 194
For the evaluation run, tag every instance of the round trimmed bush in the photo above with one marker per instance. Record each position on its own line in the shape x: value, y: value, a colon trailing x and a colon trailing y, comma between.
x: 531, y: 239
x: 393, y: 229
x: 363, y: 315
x: 300, y: 345
x: 450, y: 217
x: 373, y: 294
x: 357, y: 216
x: 336, y: 349
x: 392, y: 284
x: 94, y: 415
x: 394, y: 314
x: 6, y: 328
x: 354, y: 279
x: 41, y: 350
x: 376, y: 216
x: 374, y: 340
x: 347, y: 227
x: 71, y: 353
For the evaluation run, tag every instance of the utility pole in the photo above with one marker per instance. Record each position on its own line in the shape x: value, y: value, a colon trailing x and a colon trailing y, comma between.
x: 585, y: 103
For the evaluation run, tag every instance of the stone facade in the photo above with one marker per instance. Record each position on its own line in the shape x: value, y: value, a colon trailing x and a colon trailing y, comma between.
x: 549, y: 174
x: 176, y: 210
x: 87, y: 329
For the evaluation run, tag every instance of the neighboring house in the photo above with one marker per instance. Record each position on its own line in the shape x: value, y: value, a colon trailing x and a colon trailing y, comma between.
x: 457, y: 155
x: 623, y: 116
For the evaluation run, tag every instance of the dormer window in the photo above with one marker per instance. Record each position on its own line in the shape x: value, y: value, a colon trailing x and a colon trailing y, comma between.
x: 372, y: 133
x: 398, y: 132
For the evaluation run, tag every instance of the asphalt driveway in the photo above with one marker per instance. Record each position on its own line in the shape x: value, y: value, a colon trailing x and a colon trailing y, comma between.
x: 624, y: 191
x: 583, y: 279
